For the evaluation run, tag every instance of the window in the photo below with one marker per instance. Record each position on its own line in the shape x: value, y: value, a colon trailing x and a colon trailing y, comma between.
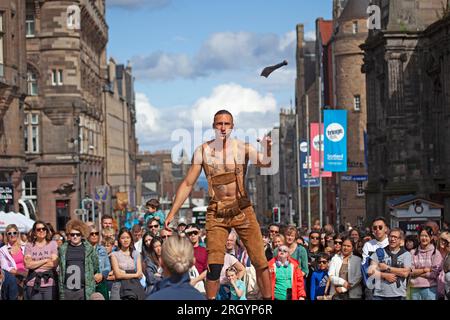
x: 355, y: 27
x: 357, y: 102
x: 32, y: 84
x: 360, y: 189
x: 1, y: 44
x: 31, y: 132
x: 30, y: 25
x: 57, y: 77
x: 29, y: 186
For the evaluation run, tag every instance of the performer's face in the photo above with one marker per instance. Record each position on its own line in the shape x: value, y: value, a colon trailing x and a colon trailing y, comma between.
x: 223, y: 125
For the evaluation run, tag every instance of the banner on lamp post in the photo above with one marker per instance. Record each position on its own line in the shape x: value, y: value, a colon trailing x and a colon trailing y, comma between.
x: 335, y: 144
x: 316, y: 156
x: 305, y: 164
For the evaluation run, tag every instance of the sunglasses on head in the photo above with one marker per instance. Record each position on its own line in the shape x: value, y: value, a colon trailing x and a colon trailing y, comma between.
x: 12, y: 233
x: 40, y: 229
x: 75, y: 234
x: 94, y: 233
x: 378, y: 227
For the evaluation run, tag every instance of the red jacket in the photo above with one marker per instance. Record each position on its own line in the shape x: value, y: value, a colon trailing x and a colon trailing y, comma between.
x: 298, y: 286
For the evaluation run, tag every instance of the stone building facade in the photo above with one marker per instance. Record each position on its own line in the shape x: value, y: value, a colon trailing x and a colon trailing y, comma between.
x: 64, y: 136
x: 349, y: 93
x: 408, y: 88
x: 12, y: 95
x: 119, y: 127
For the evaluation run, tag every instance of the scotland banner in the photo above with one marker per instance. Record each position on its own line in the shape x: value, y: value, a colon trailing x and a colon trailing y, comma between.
x: 305, y: 164
x: 335, y: 124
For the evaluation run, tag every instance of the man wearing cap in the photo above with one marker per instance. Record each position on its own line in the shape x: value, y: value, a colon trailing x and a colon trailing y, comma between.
x: 225, y: 161
x: 200, y: 254
x: 153, y: 211
x: 181, y: 229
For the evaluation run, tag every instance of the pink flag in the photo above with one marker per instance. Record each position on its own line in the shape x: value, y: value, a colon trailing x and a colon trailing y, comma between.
x: 315, y: 142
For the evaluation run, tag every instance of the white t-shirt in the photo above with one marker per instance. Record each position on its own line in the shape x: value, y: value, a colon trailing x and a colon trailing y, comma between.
x: 138, y: 246
x: 371, y: 246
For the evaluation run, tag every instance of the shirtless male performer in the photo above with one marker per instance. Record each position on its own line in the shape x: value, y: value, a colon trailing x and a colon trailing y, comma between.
x: 224, y: 161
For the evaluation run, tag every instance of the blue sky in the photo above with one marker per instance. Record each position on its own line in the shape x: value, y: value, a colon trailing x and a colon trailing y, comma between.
x: 194, y: 57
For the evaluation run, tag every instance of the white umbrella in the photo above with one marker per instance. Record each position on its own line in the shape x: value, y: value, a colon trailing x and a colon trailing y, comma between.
x: 23, y: 223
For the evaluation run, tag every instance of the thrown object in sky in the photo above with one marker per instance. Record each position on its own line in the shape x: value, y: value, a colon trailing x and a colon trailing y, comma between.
x: 268, y: 70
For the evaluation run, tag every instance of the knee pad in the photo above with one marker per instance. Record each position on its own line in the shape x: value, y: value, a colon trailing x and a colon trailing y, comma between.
x: 213, y: 273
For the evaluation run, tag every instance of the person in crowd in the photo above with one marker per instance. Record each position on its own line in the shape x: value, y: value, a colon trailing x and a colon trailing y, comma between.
x: 319, y: 278
x: 177, y: 258
x: 200, y: 268
x: 103, y: 262
x: 323, y: 240
x: 108, y: 233
x: 268, y: 251
x: 9, y: 289
x: 329, y: 251
x: 286, y: 277
x: 411, y: 242
x: 329, y: 229
x: 391, y: 267
x: 41, y: 260
x: 237, y: 286
x: 126, y: 265
x: 12, y: 257
x: 426, y: 266
x: 136, y: 231
x: 231, y: 245
x: 224, y: 288
x: 435, y: 228
x: 274, y: 229
x: 1, y: 240
x: 345, y: 273
x: 50, y: 227
x: 78, y: 264
x: 181, y: 227
x: 329, y: 240
x: 354, y: 235
x: 166, y: 233
x: 444, y: 248
x: 316, y: 225
x: 380, y: 229
x: 24, y: 237
x: 58, y: 238
x: 107, y: 222
x: 277, y: 241
x: 314, y: 248
x: 151, y: 263
x: 337, y: 243
x: 296, y: 251
x: 154, y: 212
x: 154, y: 226
x: 446, y: 266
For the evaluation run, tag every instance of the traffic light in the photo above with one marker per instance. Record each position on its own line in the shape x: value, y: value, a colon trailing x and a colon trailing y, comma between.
x: 276, y: 215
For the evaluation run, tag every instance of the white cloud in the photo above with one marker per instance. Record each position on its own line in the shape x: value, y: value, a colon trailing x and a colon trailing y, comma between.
x: 310, y: 35
x: 221, y: 51
x: 251, y: 111
x: 233, y: 98
x: 147, y: 115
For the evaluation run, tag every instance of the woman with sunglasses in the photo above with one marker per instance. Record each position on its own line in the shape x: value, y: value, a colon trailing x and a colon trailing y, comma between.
x: 337, y: 243
x: 445, y: 241
x: 152, y: 263
x: 78, y: 264
x: 103, y: 262
x: 426, y: 266
x: 41, y: 260
x: 12, y: 257
x: 345, y: 273
x: 126, y: 265
x: 319, y: 278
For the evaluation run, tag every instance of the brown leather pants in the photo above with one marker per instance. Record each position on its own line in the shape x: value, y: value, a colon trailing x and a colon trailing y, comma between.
x: 218, y: 226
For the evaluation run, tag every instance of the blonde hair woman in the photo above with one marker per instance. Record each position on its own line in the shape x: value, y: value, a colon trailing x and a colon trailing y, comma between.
x: 177, y: 258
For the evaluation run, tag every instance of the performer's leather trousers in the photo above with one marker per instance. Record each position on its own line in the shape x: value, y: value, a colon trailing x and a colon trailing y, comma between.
x: 248, y: 229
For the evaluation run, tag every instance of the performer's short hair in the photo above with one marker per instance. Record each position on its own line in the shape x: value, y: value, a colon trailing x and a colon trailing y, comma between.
x: 223, y: 112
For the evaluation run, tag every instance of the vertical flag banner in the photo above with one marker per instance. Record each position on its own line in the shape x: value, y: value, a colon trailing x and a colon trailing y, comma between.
x: 316, y: 157
x: 335, y: 122
x: 305, y: 163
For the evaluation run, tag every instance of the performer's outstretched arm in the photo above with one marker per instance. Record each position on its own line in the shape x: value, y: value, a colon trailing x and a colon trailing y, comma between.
x: 185, y: 188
